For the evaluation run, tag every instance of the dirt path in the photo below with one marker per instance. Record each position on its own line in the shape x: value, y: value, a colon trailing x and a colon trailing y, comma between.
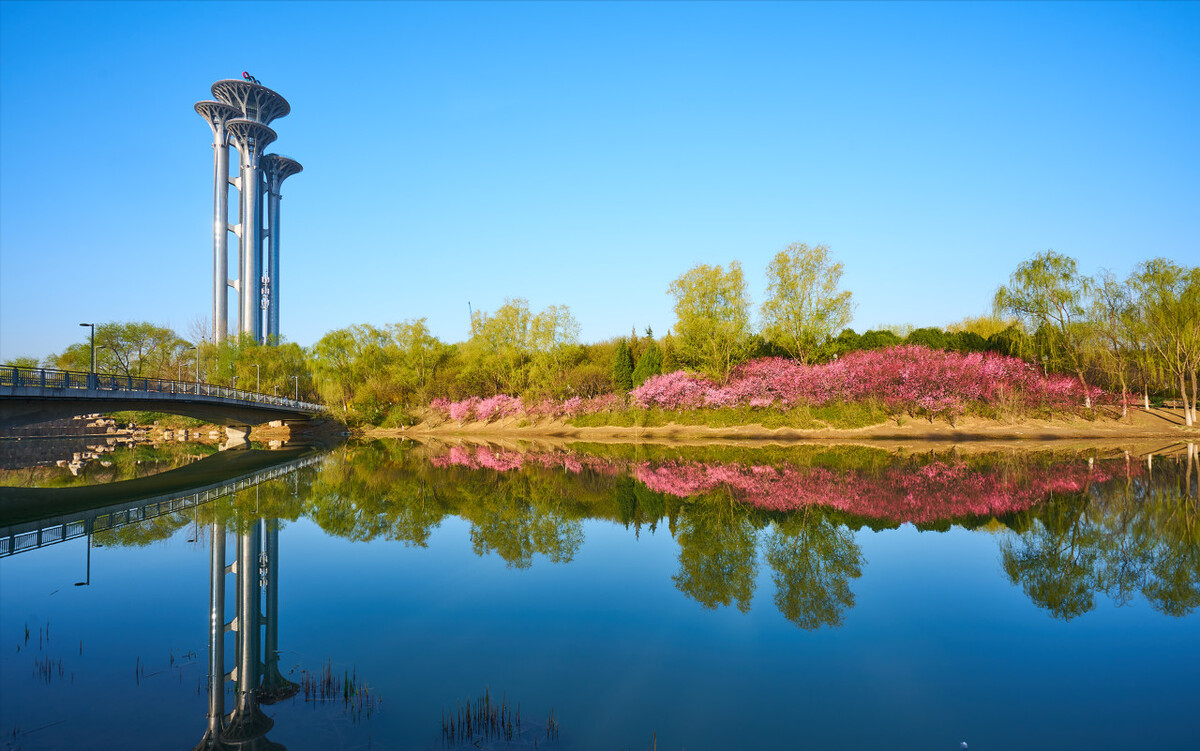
x: 1158, y: 426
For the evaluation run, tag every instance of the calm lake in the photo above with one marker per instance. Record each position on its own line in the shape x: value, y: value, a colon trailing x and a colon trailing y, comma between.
x: 610, y: 596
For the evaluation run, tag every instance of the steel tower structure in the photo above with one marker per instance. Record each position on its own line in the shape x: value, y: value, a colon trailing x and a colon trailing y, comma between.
x: 240, y: 115
x: 217, y: 114
x: 276, y: 169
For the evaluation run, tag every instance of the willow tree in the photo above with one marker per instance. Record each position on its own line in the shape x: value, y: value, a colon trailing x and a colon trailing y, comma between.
x: 1115, y: 318
x: 804, y: 306
x: 1169, y: 303
x: 712, y: 318
x: 1048, y: 293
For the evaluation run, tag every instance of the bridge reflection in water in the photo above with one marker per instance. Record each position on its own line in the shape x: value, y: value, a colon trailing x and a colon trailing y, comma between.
x: 70, y: 513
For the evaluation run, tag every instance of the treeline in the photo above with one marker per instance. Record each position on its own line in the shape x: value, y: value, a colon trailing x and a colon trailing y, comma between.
x: 1140, y: 334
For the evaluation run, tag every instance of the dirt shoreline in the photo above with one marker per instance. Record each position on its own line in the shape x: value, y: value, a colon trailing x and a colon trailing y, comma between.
x: 1156, y: 426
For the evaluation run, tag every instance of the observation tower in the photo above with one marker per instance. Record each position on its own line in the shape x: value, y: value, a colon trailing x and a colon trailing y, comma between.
x: 276, y: 168
x: 240, y: 115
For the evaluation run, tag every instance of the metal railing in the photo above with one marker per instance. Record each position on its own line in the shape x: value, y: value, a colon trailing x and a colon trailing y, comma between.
x: 50, y: 378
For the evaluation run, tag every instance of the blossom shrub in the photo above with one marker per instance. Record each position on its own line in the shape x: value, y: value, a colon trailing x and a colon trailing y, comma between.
x: 499, y: 406
x: 440, y: 407
x: 464, y: 410
x: 908, y: 379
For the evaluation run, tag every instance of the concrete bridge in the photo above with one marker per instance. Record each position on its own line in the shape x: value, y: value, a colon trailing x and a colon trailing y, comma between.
x: 30, y: 395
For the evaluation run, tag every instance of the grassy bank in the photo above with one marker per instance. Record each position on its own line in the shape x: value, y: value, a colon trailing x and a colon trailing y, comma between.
x: 839, y: 416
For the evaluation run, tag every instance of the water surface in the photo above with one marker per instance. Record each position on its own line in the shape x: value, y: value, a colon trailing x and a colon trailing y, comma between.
x: 706, y: 598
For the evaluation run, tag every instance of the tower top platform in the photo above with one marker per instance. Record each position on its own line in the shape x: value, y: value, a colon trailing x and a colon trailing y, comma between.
x: 255, y: 101
x: 216, y: 114
x: 283, y: 166
x: 213, y: 110
x: 250, y: 133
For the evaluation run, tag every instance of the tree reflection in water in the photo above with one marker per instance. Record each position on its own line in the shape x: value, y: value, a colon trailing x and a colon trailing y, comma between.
x: 812, y: 561
x: 1075, y: 528
x: 1132, y: 534
x: 718, y: 554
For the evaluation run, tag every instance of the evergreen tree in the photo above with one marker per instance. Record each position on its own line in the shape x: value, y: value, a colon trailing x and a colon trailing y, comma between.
x: 649, y: 364
x: 933, y: 338
x: 622, y: 373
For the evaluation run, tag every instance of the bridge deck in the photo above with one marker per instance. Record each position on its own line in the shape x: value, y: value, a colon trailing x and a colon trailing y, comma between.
x: 36, y: 394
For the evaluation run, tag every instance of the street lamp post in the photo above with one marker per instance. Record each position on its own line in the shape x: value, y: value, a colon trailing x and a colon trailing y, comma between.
x: 92, y: 372
x: 197, y: 349
x: 234, y: 384
x: 257, y: 378
x: 296, y: 381
x: 87, y: 582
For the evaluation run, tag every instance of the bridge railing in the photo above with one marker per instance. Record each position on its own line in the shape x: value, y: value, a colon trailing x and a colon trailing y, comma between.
x: 51, y: 378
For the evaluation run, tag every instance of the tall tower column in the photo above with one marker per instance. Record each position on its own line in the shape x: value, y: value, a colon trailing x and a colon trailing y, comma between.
x: 250, y: 132
x: 250, y: 137
x: 217, y: 114
x: 247, y: 721
x: 274, y: 686
x: 276, y: 169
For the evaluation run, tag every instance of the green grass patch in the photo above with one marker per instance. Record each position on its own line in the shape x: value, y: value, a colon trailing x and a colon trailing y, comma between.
x: 164, y: 419
x: 851, y: 415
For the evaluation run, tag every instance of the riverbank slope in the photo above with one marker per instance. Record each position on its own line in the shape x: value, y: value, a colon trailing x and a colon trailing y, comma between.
x: 1160, y: 423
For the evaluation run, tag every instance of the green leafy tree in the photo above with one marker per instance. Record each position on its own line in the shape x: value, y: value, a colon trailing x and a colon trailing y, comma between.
x: 622, y: 369
x: 22, y: 362
x: 878, y: 339
x: 1012, y: 341
x: 514, y: 349
x: 1115, y: 318
x: 555, y: 339
x: 847, y: 340
x: 670, y: 362
x: 138, y: 349
x: 804, y: 306
x: 501, y: 344
x: 928, y: 337
x: 712, y: 319
x: 416, y: 357
x: 982, y: 326
x: 966, y: 341
x: 1169, y: 301
x: 1048, y: 293
x: 649, y: 364
x: 345, y: 360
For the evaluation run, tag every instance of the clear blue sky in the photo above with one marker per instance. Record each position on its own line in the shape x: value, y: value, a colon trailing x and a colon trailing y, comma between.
x: 587, y: 154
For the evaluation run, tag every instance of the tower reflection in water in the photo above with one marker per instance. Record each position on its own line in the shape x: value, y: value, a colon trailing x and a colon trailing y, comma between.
x: 255, y: 673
